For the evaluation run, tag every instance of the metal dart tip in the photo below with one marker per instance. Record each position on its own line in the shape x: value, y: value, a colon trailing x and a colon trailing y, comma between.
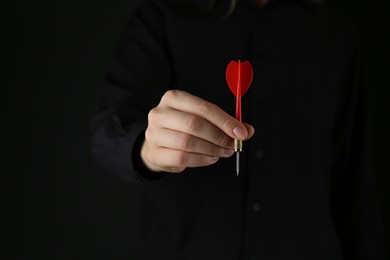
x: 238, y: 163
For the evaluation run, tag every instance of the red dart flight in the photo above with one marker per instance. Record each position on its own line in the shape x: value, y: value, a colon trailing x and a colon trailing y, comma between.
x: 239, y: 77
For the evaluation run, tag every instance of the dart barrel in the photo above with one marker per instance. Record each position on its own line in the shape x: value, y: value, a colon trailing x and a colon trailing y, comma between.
x: 237, y: 145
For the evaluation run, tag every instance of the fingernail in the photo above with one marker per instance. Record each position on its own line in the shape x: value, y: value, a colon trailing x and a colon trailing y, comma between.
x: 214, y: 159
x: 240, y: 133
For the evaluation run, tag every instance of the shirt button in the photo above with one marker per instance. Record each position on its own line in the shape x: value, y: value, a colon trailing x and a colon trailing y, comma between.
x: 259, y: 154
x: 256, y: 207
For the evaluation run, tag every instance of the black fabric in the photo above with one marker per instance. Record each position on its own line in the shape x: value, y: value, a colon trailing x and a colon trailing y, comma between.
x: 306, y: 189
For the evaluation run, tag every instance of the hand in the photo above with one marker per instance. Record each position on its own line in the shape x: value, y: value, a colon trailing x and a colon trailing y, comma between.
x: 187, y: 131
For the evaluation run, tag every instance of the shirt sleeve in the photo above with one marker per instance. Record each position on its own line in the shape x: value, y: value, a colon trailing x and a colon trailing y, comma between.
x: 139, y: 74
x: 355, y: 206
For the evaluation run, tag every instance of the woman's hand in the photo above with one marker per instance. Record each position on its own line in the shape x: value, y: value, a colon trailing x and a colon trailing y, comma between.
x: 187, y: 131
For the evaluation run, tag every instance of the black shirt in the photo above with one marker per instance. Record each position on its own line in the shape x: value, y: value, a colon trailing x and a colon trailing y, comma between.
x: 306, y: 189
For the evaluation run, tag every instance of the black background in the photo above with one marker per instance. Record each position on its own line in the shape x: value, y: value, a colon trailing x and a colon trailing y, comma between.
x: 55, y: 203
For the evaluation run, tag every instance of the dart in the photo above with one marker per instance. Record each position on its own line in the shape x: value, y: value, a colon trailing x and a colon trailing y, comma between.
x: 239, y: 77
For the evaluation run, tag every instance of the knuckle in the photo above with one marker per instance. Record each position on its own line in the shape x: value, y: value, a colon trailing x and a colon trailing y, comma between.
x: 215, y: 150
x: 156, y: 116
x: 203, y: 108
x: 194, y: 124
x: 152, y: 114
x: 223, y: 140
x: 181, y: 158
x: 148, y: 134
x: 186, y: 142
x: 228, y: 123
x: 169, y: 95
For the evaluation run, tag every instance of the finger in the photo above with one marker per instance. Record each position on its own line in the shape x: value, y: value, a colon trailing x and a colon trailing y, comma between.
x: 186, y: 102
x: 250, y: 129
x: 191, y: 124
x: 185, y: 142
x: 171, y: 160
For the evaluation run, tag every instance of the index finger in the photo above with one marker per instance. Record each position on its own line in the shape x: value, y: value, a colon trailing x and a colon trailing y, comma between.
x: 184, y: 101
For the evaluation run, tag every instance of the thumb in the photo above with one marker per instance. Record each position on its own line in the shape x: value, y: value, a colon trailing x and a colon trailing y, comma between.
x: 250, y: 129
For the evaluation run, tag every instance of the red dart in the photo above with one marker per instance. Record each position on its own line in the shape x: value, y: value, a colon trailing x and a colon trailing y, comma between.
x: 239, y: 77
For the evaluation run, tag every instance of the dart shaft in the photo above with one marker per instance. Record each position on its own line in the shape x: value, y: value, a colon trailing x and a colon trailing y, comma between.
x: 238, y: 93
x: 238, y: 108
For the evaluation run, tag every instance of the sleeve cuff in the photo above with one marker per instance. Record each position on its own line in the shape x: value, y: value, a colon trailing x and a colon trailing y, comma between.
x: 117, y: 149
